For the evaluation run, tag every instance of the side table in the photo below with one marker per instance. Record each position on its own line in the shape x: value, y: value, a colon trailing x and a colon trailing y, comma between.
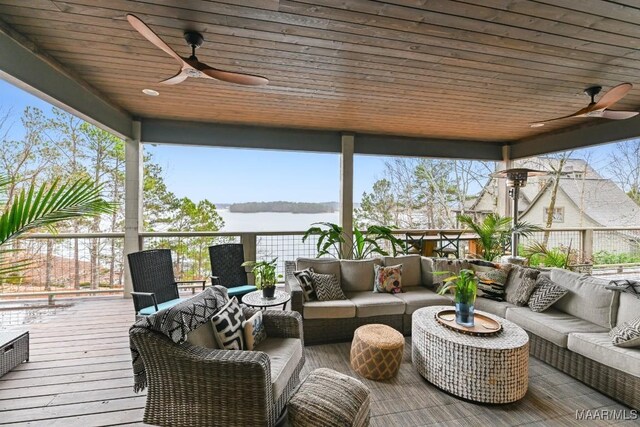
x: 255, y: 299
x: 14, y: 349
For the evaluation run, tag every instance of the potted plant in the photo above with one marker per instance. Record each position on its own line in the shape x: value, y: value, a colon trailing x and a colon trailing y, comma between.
x: 333, y: 241
x: 265, y: 276
x: 464, y: 287
x: 494, y: 233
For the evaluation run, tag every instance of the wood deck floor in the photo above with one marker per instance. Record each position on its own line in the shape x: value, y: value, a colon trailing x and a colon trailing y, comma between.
x: 80, y: 375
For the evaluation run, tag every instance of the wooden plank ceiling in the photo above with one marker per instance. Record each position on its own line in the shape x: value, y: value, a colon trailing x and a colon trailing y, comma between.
x: 446, y: 69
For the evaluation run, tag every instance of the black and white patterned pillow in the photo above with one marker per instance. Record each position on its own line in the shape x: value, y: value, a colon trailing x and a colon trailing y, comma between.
x: 624, y: 285
x: 227, y: 326
x: 306, y: 283
x: 627, y: 334
x: 520, y: 284
x: 327, y: 287
x: 546, y: 293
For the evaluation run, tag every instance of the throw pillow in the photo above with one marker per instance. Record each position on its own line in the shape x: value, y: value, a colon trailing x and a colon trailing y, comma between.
x: 306, y: 283
x: 227, y: 326
x: 624, y: 285
x: 520, y: 284
x: 388, y: 279
x: 491, y: 279
x: 627, y: 334
x: 254, y: 332
x: 545, y: 294
x: 327, y: 287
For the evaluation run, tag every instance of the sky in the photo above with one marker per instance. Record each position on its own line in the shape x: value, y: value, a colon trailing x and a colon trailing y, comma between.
x: 226, y: 175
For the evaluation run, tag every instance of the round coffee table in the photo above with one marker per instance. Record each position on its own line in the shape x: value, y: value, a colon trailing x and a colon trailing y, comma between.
x: 255, y: 299
x: 490, y: 369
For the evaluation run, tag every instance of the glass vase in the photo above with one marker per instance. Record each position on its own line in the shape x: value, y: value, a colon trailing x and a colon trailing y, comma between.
x: 464, y: 314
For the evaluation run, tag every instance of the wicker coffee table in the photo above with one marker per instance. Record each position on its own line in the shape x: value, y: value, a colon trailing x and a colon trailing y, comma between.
x: 490, y: 369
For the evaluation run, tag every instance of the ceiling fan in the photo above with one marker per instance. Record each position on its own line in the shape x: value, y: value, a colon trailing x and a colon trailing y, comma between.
x: 191, y: 67
x: 600, y: 108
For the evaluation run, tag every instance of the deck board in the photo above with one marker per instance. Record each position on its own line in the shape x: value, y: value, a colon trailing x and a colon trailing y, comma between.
x: 81, y: 376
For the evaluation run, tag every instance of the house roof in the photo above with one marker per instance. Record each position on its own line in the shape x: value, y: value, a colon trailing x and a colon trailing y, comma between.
x: 602, y: 201
x: 444, y: 72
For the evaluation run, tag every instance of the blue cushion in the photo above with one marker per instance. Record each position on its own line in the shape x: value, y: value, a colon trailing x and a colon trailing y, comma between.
x: 237, y: 291
x: 152, y: 309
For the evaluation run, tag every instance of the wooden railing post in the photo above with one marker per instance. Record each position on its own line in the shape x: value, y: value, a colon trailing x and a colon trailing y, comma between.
x: 586, y: 236
x: 249, y: 244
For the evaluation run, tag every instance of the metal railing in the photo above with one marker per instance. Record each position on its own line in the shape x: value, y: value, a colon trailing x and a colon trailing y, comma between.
x: 93, y: 264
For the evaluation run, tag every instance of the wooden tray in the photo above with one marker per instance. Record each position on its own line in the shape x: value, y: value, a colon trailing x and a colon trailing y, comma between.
x: 483, y: 325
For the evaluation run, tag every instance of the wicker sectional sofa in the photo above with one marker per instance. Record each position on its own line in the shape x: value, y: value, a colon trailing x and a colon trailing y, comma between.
x: 572, y: 335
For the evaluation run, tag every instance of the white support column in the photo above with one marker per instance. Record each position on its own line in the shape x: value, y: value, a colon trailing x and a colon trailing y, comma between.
x: 132, y: 201
x: 346, y: 191
x: 504, y: 201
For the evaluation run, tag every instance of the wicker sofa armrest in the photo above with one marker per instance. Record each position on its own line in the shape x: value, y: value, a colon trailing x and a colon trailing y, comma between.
x: 297, y: 299
x: 280, y: 324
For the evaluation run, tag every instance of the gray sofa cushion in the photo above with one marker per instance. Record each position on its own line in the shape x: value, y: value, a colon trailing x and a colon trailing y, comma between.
x: 411, y: 275
x: 628, y: 308
x: 284, y: 354
x: 499, y: 308
x: 417, y: 297
x: 587, y: 299
x: 320, y: 265
x: 552, y: 325
x: 426, y: 271
x: 357, y: 275
x: 338, y: 309
x: 370, y: 304
x: 203, y: 336
x: 598, y: 346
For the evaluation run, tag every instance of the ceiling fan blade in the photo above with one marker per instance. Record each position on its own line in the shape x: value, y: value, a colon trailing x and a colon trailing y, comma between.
x: 613, y: 95
x: 148, y: 34
x: 178, y: 78
x: 237, y: 78
x: 580, y: 113
x: 618, y: 115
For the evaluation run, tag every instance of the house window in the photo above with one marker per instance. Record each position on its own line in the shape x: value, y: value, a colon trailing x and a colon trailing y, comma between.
x: 558, y: 214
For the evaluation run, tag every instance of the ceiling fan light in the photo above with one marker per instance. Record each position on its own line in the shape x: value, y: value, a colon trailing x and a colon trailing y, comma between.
x: 536, y: 125
x: 150, y: 92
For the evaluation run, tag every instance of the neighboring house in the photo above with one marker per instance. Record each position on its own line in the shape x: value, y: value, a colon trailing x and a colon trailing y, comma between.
x: 584, y: 199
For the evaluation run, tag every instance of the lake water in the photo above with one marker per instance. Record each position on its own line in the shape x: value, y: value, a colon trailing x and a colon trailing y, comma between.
x: 273, y: 221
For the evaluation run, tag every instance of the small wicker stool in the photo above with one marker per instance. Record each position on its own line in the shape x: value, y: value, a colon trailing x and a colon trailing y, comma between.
x: 329, y: 399
x: 376, y: 351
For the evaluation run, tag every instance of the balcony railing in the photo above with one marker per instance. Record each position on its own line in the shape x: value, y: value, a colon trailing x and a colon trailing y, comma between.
x: 93, y: 264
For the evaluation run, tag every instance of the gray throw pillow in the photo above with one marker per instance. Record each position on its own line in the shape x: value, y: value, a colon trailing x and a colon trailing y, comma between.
x: 327, y: 287
x: 545, y: 294
x: 627, y: 334
x: 521, y: 284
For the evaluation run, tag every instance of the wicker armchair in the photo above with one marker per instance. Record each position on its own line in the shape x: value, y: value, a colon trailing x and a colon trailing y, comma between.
x: 154, y: 285
x: 227, y: 270
x: 195, y: 386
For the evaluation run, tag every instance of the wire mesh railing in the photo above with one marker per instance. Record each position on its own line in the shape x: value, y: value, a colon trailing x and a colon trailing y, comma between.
x: 94, y: 263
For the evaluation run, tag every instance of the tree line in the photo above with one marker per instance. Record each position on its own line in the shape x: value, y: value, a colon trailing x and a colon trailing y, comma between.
x: 280, y: 206
x: 39, y: 147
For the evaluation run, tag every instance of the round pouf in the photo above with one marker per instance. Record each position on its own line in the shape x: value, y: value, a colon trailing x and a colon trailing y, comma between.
x: 376, y: 351
x: 330, y: 399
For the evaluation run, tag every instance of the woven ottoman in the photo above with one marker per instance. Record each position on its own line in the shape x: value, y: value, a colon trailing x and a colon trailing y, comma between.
x: 376, y: 351
x: 329, y: 399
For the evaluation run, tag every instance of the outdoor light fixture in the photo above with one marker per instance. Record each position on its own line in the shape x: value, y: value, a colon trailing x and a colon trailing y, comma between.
x: 150, y: 92
x: 516, y: 178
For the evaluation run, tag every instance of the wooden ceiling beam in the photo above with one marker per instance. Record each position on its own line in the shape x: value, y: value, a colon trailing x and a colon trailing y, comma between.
x: 577, y: 137
x: 23, y: 65
x: 157, y: 131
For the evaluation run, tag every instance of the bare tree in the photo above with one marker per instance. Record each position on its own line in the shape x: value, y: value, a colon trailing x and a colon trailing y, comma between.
x: 624, y: 167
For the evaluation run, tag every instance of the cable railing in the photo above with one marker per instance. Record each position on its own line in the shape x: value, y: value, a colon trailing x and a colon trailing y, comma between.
x: 92, y: 264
